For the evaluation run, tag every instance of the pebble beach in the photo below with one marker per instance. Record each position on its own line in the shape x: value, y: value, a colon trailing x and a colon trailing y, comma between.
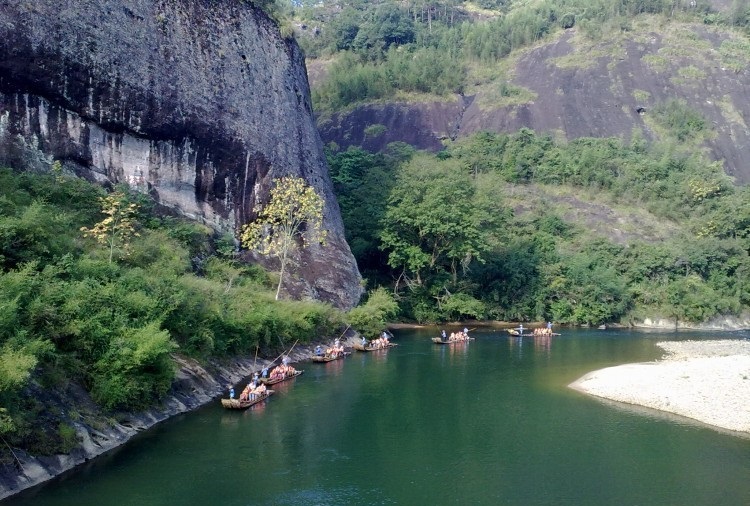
x: 707, y: 381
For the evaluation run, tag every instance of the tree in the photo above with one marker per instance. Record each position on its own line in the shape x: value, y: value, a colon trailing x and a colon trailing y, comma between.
x: 119, y: 225
x: 437, y: 219
x: 295, y: 210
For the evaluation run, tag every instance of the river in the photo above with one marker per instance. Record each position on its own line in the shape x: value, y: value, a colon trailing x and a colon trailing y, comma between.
x: 489, y: 422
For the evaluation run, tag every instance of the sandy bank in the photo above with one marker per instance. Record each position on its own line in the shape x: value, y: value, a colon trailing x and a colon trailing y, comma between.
x: 708, y: 381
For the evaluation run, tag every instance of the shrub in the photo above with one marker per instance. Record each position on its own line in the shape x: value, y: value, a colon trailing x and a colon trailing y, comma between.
x: 371, y: 317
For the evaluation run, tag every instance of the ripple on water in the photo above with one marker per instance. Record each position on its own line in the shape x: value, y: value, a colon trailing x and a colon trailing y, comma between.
x: 319, y: 496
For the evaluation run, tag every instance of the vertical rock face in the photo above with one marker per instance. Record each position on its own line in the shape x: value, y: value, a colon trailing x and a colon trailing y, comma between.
x: 201, y: 103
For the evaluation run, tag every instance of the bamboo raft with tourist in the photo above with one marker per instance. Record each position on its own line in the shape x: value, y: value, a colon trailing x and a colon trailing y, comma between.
x: 439, y: 340
x: 380, y: 343
x: 368, y: 347
x: 455, y: 337
x: 246, y: 402
x: 536, y: 332
x: 256, y: 390
x: 273, y: 379
x: 329, y: 358
x: 330, y: 353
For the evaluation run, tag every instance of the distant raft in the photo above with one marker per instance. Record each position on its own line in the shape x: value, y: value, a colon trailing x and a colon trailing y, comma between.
x: 360, y: 347
x: 268, y: 381
x: 238, y: 404
x: 439, y: 340
x: 329, y: 358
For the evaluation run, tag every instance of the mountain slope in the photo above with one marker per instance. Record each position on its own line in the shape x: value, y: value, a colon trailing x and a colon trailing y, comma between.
x: 571, y: 87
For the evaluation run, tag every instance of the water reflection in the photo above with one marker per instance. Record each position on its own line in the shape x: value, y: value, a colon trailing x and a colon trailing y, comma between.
x: 284, y: 386
x: 450, y: 353
x: 543, y: 345
x: 334, y: 367
x: 516, y: 346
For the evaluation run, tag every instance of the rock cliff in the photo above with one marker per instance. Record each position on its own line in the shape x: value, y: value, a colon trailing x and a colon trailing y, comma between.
x: 200, y: 103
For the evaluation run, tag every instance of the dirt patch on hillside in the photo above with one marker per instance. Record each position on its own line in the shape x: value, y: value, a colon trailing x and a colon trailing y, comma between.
x: 619, y: 225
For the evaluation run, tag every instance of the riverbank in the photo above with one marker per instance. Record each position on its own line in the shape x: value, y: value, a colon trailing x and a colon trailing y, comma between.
x: 195, y: 385
x: 708, y: 381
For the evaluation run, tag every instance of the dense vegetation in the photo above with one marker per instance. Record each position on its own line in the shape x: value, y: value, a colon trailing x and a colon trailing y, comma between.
x: 479, y: 230
x: 110, y: 317
x: 449, y: 241
x: 383, y: 48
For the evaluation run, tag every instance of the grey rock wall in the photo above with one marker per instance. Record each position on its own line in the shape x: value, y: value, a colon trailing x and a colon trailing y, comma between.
x: 200, y: 103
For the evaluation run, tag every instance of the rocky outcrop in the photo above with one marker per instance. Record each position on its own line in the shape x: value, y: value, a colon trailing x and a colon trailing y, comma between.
x: 720, y: 323
x: 571, y: 87
x: 200, y: 103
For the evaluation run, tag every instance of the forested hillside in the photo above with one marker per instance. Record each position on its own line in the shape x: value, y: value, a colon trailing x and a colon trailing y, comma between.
x: 108, y: 306
x: 525, y: 225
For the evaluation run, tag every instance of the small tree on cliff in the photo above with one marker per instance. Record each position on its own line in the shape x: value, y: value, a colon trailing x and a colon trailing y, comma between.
x: 295, y: 211
x: 119, y: 226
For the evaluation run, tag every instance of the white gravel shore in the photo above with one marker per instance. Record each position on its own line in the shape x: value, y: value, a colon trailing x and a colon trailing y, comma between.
x: 708, y: 381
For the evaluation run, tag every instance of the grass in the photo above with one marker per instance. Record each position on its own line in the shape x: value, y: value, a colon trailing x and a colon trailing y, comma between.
x: 641, y: 96
x: 735, y: 54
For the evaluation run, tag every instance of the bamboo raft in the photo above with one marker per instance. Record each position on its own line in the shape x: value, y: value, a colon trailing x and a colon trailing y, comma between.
x: 439, y: 340
x: 359, y: 347
x: 238, y: 404
x: 529, y: 333
x: 323, y: 358
x: 268, y: 381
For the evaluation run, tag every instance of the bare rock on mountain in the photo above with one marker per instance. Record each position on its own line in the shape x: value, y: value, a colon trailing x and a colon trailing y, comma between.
x: 571, y: 87
x: 200, y: 103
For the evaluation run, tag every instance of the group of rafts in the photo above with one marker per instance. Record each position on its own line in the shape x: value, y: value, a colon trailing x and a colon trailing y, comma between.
x: 256, y: 391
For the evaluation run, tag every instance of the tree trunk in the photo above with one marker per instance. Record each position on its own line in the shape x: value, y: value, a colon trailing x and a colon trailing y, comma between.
x: 281, y: 274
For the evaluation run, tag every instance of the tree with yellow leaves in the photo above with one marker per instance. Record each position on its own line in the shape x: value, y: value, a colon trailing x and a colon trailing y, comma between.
x: 119, y: 225
x: 294, y: 212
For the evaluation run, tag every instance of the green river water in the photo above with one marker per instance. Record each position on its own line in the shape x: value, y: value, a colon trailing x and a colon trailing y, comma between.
x: 486, y: 422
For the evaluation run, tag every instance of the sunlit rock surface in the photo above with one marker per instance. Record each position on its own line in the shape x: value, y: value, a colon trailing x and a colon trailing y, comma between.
x: 200, y: 103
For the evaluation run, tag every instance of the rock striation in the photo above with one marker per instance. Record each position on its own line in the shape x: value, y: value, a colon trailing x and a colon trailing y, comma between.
x: 199, y: 103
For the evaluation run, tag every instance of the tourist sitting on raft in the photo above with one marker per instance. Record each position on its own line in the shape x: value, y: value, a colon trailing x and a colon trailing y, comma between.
x: 257, y: 391
x: 457, y: 337
x: 252, y: 391
x: 542, y: 332
x: 380, y: 342
x: 335, y: 350
x: 282, y: 371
